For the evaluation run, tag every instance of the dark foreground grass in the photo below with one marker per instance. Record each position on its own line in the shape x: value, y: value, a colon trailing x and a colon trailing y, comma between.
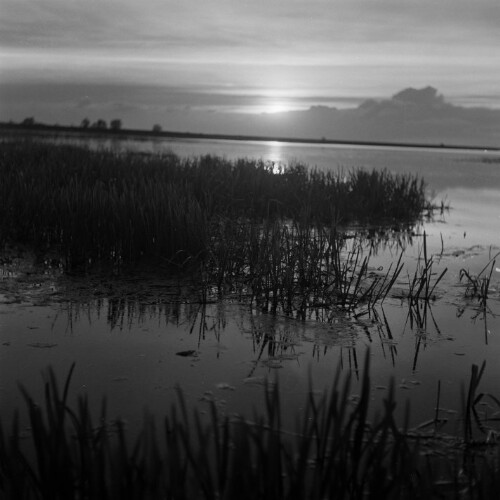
x: 97, y: 206
x: 335, y: 451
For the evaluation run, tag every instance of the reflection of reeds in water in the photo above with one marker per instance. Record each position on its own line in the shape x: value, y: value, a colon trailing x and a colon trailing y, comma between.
x: 471, y: 408
x: 129, y: 311
x: 278, y: 345
x: 337, y: 450
x: 418, y: 319
x: 477, y: 286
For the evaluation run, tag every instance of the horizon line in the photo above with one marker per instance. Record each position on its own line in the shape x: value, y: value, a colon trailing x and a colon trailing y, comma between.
x: 78, y: 130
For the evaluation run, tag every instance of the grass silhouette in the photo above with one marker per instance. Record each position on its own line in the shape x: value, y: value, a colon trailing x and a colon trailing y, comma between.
x: 336, y: 450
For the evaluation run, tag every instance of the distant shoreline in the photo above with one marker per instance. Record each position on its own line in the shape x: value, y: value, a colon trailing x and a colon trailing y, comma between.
x: 124, y: 133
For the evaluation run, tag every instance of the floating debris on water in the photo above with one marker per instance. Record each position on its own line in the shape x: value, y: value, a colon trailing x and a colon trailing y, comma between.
x: 272, y: 363
x: 187, y: 354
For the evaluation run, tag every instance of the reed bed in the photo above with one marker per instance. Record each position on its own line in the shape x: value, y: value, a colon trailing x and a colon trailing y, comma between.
x: 96, y: 206
x: 297, y: 267
x: 336, y: 450
x: 277, y: 235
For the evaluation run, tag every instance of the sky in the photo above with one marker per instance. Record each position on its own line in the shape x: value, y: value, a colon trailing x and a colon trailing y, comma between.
x: 208, y: 64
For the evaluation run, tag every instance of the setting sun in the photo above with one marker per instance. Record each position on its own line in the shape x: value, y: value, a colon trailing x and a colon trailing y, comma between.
x: 277, y: 107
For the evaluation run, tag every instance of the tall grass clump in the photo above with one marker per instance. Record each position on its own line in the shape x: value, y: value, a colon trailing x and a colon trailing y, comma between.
x: 92, y: 206
x: 337, y: 449
x: 97, y: 206
x: 299, y: 267
x: 478, y: 285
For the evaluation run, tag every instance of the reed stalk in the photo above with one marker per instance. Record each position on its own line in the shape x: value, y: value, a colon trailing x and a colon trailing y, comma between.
x: 478, y: 286
x: 421, y: 285
x: 337, y: 449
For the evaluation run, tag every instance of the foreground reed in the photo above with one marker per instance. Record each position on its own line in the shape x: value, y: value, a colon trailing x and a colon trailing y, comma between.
x: 336, y: 451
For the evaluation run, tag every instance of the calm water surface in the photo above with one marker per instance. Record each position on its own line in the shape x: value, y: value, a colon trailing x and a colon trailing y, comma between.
x: 125, y: 335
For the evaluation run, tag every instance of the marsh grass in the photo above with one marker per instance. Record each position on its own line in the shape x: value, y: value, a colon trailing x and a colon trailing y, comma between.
x: 276, y: 235
x: 424, y: 281
x: 478, y: 285
x: 296, y: 267
x: 97, y: 206
x: 337, y: 449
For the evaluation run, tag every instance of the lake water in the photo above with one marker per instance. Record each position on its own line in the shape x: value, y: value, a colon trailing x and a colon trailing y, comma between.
x: 125, y: 335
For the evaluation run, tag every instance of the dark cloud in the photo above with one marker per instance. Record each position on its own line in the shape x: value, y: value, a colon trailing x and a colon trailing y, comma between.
x: 427, y: 97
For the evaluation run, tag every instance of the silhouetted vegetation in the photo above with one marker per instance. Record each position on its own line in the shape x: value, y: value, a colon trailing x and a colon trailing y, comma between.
x: 115, y: 124
x: 101, y: 206
x: 336, y: 450
x: 28, y: 122
x: 99, y: 124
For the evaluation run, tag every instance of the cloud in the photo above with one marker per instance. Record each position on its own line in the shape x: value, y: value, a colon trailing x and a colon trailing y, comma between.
x: 282, y: 49
x: 282, y: 31
x: 427, y: 97
x: 411, y: 116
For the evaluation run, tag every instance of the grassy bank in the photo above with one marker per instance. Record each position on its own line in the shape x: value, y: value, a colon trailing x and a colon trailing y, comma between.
x: 336, y: 450
x: 96, y: 206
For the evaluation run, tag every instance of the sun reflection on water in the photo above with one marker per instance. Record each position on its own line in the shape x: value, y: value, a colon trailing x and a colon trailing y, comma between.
x: 275, y: 155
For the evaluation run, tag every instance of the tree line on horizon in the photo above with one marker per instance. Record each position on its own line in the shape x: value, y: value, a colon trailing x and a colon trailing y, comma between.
x: 115, y: 124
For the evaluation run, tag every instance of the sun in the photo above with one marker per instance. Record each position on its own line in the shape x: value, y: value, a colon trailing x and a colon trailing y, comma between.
x: 276, y: 107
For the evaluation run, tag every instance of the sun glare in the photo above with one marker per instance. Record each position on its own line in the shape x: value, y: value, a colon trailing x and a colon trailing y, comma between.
x: 276, y: 108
